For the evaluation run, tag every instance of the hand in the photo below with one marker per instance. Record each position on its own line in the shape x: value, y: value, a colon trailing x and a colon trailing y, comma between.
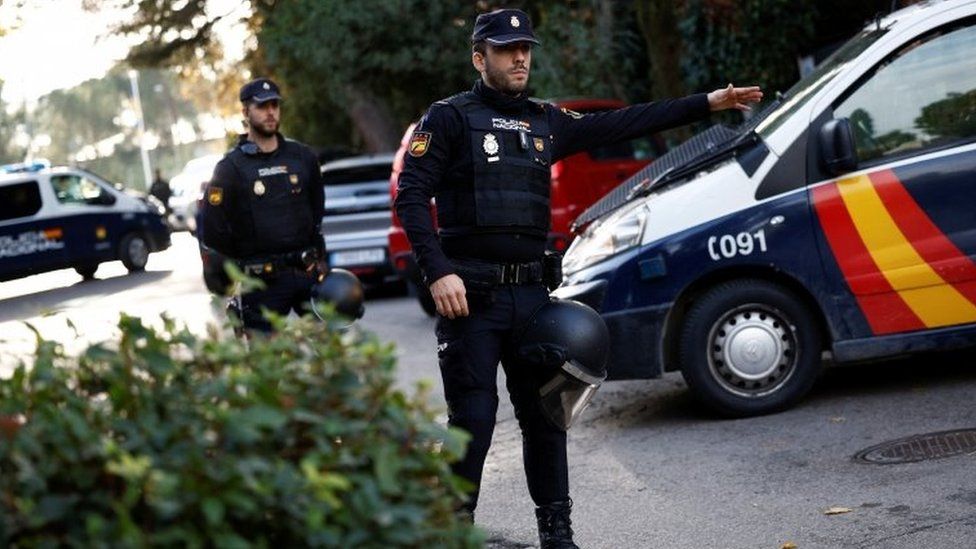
x: 734, y: 98
x: 449, y: 296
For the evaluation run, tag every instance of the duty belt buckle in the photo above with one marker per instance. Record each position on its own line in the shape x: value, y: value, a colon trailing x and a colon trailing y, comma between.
x: 510, y: 273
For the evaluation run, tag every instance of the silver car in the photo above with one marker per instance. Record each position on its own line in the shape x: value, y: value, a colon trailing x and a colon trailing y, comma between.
x: 357, y: 215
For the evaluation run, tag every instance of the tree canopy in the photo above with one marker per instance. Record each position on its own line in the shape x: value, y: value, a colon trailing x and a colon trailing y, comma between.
x: 355, y: 72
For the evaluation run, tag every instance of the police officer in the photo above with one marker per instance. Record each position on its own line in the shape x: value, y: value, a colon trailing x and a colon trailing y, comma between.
x: 263, y: 209
x: 485, y: 155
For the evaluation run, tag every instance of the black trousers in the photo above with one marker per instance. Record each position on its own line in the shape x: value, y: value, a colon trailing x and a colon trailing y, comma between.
x: 289, y: 290
x: 469, y: 350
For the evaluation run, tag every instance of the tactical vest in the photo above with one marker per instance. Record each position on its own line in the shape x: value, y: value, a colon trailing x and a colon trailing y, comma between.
x: 274, y: 191
x: 510, y: 159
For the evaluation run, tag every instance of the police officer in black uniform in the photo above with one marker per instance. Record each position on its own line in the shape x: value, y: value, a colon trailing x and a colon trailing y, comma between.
x: 486, y: 155
x: 263, y: 209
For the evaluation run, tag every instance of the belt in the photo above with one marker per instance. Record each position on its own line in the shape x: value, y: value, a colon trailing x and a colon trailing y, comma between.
x: 498, y: 274
x: 297, y: 261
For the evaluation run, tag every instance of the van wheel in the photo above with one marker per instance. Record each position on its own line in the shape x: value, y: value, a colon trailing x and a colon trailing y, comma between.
x: 749, y: 347
x: 87, y: 272
x: 134, y: 252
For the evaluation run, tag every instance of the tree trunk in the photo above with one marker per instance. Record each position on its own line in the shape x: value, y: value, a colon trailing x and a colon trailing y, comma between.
x: 371, y: 118
x: 659, y: 24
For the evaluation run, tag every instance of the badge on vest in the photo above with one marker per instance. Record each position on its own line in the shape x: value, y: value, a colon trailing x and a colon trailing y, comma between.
x: 215, y: 195
x: 259, y: 187
x: 540, y: 145
x: 490, y: 146
x: 293, y: 178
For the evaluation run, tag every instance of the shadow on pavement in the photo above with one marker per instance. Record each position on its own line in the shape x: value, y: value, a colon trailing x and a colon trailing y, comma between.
x: 928, y: 370
x: 29, y: 305
x: 667, y: 400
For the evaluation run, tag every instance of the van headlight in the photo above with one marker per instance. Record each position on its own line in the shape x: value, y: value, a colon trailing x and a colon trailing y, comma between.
x: 619, y: 232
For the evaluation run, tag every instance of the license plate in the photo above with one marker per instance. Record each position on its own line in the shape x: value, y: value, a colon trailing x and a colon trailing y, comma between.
x: 371, y: 256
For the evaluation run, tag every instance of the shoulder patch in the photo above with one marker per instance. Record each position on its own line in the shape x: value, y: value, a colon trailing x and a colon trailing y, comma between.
x: 215, y: 195
x: 419, y: 144
x: 572, y: 114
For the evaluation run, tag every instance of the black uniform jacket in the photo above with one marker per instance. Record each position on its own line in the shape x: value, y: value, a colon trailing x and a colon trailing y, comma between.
x: 262, y: 204
x: 446, y: 148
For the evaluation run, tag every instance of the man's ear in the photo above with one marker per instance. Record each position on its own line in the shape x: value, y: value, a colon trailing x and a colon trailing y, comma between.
x: 478, y: 60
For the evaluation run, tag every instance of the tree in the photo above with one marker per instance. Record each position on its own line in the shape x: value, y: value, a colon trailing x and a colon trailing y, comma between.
x: 355, y: 71
x: 10, y: 123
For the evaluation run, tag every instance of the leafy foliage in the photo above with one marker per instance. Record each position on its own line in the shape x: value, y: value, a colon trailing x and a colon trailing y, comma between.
x: 729, y: 42
x: 172, y: 440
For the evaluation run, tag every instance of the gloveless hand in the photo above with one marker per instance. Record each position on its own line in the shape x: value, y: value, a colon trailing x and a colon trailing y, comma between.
x: 449, y: 295
x: 734, y: 98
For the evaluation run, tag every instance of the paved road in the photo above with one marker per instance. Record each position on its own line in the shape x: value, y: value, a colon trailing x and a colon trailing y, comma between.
x: 649, y: 468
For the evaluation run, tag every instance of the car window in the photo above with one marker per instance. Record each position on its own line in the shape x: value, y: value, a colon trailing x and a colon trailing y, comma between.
x: 76, y: 189
x: 921, y: 98
x: 19, y: 200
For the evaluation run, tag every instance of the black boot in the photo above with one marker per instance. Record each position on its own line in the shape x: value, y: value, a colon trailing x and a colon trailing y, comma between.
x: 554, y: 525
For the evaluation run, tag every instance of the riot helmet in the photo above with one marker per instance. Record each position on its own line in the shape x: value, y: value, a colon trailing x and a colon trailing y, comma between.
x: 341, y: 289
x: 572, y: 341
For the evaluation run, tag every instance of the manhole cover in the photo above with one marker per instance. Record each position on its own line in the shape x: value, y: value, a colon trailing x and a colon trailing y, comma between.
x: 921, y: 447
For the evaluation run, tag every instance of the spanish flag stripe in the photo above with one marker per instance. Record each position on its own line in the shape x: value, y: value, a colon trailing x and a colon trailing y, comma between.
x: 885, y: 311
x: 934, y: 301
x: 951, y: 264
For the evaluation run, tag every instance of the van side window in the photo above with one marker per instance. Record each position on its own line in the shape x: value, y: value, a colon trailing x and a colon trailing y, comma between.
x: 923, y: 98
x: 75, y: 189
x: 19, y: 200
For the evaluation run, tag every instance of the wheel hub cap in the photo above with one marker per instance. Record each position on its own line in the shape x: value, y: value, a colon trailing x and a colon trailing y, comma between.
x: 138, y: 251
x: 753, y: 350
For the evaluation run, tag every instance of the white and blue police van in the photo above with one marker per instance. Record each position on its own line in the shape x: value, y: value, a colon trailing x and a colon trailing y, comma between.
x: 840, y: 218
x: 57, y: 218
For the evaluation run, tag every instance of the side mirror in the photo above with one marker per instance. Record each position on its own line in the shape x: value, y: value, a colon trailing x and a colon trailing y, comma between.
x: 837, y: 146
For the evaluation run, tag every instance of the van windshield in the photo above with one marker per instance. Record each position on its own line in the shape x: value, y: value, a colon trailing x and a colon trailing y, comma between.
x: 807, y: 87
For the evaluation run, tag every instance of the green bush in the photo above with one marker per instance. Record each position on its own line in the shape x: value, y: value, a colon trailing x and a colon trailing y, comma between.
x: 167, y: 439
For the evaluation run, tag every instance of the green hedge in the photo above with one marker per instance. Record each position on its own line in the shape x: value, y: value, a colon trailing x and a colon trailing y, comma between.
x: 168, y: 439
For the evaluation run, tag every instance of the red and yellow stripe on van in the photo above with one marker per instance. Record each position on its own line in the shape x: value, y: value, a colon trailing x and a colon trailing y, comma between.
x: 904, y: 272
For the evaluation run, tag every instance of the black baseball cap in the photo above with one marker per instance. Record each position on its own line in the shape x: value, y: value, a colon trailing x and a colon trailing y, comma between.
x: 260, y: 90
x: 502, y: 27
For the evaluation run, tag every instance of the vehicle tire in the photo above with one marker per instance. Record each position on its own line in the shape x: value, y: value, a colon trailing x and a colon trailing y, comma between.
x: 87, y: 272
x: 134, y: 252
x: 749, y: 347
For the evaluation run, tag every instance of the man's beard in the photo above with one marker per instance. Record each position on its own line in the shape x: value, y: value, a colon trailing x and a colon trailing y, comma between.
x: 499, y: 79
x: 260, y: 130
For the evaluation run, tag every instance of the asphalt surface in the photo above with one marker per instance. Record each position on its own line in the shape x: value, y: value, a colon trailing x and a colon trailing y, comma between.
x: 649, y: 468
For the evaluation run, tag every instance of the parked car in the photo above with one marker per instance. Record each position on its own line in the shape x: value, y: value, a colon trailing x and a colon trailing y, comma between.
x: 841, y: 218
x: 357, y: 216
x: 187, y: 187
x: 56, y: 218
x: 577, y: 182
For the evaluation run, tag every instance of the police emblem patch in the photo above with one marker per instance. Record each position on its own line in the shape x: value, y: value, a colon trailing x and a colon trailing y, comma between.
x: 259, y: 187
x: 419, y: 143
x: 540, y: 145
x: 293, y: 178
x: 515, y: 22
x: 215, y: 195
x: 490, y: 144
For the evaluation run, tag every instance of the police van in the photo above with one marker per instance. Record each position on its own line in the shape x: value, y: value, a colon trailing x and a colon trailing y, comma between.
x: 55, y: 218
x: 840, y: 218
